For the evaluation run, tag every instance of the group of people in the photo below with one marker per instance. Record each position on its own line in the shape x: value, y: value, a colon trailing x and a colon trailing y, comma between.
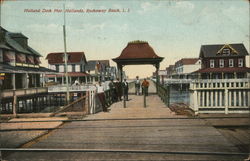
x: 143, y: 86
x: 119, y: 89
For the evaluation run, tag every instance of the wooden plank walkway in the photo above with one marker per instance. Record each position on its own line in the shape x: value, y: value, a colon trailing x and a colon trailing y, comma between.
x: 134, y: 133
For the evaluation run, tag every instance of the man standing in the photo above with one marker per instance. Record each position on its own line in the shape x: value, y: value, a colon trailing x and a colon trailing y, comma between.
x: 137, y: 86
x: 125, y: 90
x: 101, y: 96
x: 118, y: 88
x: 145, y: 85
x: 113, y: 91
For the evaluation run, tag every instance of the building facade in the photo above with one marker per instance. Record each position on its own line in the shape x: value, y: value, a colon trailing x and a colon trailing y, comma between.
x: 19, y: 63
x: 224, y: 61
x: 76, y: 67
x: 185, y: 67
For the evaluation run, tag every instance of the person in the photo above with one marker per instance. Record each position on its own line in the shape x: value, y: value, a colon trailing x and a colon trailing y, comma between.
x: 76, y: 82
x: 101, y: 96
x: 137, y: 86
x: 125, y: 90
x: 113, y: 91
x: 118, y: 88
x: 145, y: 85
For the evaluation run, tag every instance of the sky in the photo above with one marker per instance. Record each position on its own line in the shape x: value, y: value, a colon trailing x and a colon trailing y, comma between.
x: 175, y: 29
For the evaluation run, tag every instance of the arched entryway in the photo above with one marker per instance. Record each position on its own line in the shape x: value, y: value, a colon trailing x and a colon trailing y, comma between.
x: 137, y: 53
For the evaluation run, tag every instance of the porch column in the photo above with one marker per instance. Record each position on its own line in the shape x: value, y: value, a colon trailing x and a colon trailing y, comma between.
x: 55, y: 78
x: 25, y: 80
x: 222, y: 75
x: 120, y: 73
x: 13, y: 81
x: 62, y: 79
x: 157, y: 66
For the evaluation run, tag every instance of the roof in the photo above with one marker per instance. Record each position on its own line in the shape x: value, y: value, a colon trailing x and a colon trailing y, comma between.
x: 187, y: 61
x: 225, y: 70
x: 58, y: 58
x: 214, y: 50
x: 137, y: 50
x: 5, y: 68
x: 91, y: 64
x: 10, y: 44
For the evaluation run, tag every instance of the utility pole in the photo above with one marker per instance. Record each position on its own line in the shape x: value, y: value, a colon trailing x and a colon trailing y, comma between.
x: 65, y: 56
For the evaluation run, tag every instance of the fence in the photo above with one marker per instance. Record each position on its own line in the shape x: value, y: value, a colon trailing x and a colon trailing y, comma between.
x: 220, y: 96
x: 164, y: 93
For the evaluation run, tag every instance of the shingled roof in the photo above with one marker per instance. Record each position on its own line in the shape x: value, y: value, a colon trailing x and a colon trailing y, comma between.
x: 58, y: 58
x: 212, y: 50
x: 137, y: 50
x: 187, y: 61
x: 9, y: 43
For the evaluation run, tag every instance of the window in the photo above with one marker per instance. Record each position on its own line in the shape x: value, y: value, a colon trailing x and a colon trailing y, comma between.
x: 231, y: 63
x: 211, y: 63
x: 240, y: 63
x: 61, y: 68
x: 77, y: 68
x: 226, y: 51
x: 221, y: 63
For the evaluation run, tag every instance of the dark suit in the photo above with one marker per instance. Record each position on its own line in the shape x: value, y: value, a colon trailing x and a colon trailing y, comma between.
x: 125, y: 90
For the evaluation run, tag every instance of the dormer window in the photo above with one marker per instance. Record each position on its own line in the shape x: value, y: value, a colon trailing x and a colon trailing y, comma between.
x: 212, y: 63
x: 226, y: 51
x: 221, y: 63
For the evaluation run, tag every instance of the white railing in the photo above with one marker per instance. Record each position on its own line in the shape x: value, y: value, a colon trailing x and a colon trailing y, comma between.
x: 220, y: 96
x: 178, y: 81
x: 73, y: 88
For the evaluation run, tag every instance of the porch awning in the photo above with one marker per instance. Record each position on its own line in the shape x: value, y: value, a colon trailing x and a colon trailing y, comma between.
x: 20, y: 58
x: 30, y: 59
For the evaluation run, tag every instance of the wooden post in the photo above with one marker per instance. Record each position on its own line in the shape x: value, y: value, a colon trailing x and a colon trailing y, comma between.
x: 157, y: 66
x: 144, y: 97
x: 226, y: 101
x: 195, y: 97
x: 14, y: 105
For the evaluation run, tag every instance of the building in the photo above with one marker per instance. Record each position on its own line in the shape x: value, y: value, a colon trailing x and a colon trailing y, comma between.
x: 100, y: 70
x: 185, y: 67
x: 76, y: 67
x: 223, y: 61
x: 170, y: 71
x: 19, y: 63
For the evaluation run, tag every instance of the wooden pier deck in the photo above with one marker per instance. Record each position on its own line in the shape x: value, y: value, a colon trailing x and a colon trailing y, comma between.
x: 133, y: 133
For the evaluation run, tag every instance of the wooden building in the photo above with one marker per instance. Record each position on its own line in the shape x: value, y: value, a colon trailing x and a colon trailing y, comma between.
x: 76, y: 67
x: 19, y: 63
x: 224, y: 61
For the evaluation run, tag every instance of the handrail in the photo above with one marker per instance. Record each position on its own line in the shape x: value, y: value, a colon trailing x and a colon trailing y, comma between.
x: 163, y: 93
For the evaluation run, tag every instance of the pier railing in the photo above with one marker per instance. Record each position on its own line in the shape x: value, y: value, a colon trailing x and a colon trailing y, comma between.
x: 163, y: 93
x: 220, y: 96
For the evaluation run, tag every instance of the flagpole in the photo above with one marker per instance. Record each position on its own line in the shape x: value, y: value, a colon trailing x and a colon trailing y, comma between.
x: 65, y: 55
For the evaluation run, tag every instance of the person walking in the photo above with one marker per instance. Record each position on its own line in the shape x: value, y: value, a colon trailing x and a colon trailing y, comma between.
x: 145, y: 85
x: 137, y: 86
x: 125, y: 90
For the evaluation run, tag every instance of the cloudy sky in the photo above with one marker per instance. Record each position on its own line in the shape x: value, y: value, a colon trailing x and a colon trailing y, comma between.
x: 174, y: 28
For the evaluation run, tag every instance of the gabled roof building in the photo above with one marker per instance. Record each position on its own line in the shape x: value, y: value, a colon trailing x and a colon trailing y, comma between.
x: 223, y: 61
